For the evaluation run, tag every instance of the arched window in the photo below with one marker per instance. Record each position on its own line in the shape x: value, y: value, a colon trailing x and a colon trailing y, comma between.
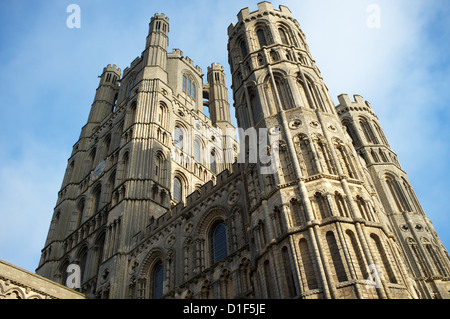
x: 302, y: 90
x: 178, y: 137
x: 157, y: 281
x: 356, y: 254
x: 307, y: 265
x: 283, y: 36
x: 338, y: 266
x: 385, y: 265
x: 212, y: 162
x: 92, y: 156
x: 288, y: 273
x: 219, y: 248
x: 160, y: 115
x: 284, y: 93
x: 106, y: 145
x: 316, y: 96
x: 368, y: 132
x: 243, y: 49
x: 69, y: 173
x: 380, y: 133
x: 255, y: 106
x: 197, y: 150
x: 79, y: 214
x: 340, y: 204
x: 298, y: 213
x: 397, y: 193
x: 261, y: 38
x: 285, y: 162
x: 268, y: 280
x: 160, y: 170
x: 82, y: 257
x: 177, y: 190
x: 97, y: 194
x: 189, y: 86
x: 99, y: 249
x: 320, y: 206
x: 305, y: 155
x: 352, y: 133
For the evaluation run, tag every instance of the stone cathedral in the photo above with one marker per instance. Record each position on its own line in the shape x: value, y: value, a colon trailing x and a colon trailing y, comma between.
x: 160, y: 200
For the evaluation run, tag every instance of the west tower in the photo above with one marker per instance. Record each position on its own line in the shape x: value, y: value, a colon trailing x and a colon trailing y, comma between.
x: 318, y: 224
x: 154, y: 204
x: 417, y: 240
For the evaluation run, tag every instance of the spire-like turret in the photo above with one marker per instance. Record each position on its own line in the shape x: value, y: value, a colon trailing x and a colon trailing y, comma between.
x: 106, y: 95
x: 155, y: 54
x: 219, y: 108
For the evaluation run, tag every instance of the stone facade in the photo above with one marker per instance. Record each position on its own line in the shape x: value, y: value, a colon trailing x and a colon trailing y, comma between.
x: 161, y: 201
x: 17, y: 283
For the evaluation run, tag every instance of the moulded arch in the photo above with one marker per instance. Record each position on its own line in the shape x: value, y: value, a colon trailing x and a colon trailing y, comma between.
x: 154, y: 256
x: 387, y: 173
x: 214, y: 214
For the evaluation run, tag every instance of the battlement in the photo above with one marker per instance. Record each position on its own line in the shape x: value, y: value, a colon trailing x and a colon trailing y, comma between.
x: 178, y: 54
x: 159, y: 16
x: 205, y: 190
x: 264, y: 8
x: 345, y: 101
x: 358, y: 104
x: 112, y: 68
x: 215, y: 67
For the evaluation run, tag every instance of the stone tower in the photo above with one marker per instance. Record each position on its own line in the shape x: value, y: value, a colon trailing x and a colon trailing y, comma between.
x: 425, y: 256
x: 157, y: 202
x: 326, y: 220
x: 146, y: 146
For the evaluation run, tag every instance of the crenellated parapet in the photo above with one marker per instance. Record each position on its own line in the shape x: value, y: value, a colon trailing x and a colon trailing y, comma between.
x: 264, y: 9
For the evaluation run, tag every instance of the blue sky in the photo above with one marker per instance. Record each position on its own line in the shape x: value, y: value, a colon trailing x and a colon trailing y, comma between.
x: 49, y: 74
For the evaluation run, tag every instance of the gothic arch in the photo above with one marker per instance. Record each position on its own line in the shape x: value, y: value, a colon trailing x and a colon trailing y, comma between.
x: 162, y: 114
x: 262, y: 34
x: 153, y: 256
x: 323, y: 152
x: 180, y: 136
x: 215, y: 213
x: 184, y: 187
x: 394, y: 187
x: 160, y: 166
x: 130, y: 115
x: 110, y: 185
x: 205, y: 229
x: 307, y: 265
x: 338, y: 269
x: 298, y: 212
x: 82, y: 256
x: 367, y: 129
x: 321, y: 206
x: 62, y: 270
x: 80, y: 210
x: 189, y: 84
x: 286, y: 35
x: 96, y: 198
x: 255, y: 107
x: 305, y: 154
